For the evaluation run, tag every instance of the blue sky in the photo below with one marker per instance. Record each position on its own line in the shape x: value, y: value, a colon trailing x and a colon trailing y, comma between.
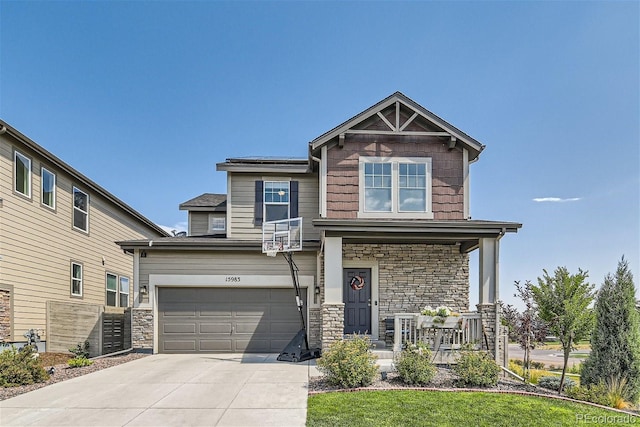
x: 146, y: 97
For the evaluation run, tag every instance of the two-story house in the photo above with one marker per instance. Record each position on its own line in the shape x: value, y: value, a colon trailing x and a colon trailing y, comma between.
x: 57, y: 245
x: 383, y: 197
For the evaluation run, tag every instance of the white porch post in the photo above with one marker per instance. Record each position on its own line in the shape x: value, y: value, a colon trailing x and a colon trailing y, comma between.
x: 333, y: 270
x: 489, y: 293
x: 489, y: 260
x: 332, y: 307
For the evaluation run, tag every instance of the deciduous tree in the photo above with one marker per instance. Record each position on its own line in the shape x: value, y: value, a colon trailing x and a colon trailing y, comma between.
x: 563, y: 301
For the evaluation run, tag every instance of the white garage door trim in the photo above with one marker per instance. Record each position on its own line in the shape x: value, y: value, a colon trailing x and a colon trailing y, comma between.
x: 219, y: 281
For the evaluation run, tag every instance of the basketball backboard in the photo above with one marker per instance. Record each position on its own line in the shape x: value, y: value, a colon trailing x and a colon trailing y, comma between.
x: 284, y: 235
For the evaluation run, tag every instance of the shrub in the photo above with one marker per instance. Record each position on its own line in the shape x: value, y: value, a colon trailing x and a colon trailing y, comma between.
x: 594, y: 393
x: 476, y: 369
x: 575, y: 368
x: 349, y: 363
x: 20, y: 367
x: 618, y: 393
x: 552, y: 382
x: 81, y: 350
x: 414, y: 365
x: 78, y: 362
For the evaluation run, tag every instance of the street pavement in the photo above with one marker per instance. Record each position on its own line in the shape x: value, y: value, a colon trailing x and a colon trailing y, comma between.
x: 548, y: 357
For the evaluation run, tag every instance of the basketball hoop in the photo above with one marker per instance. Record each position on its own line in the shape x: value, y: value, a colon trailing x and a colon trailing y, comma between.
x: 272, y: 252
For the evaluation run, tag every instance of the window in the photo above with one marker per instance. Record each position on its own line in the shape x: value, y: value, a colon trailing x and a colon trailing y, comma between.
x: 112, y: 290
x: 48, y: 188
x: 395, y: 187
x: 76, y: 279
x: 276, y: 200
x: 216, y: 223
x: 80, y: 210
x: 22, y: 165
x: 117, y: 290
x: 124, y: 291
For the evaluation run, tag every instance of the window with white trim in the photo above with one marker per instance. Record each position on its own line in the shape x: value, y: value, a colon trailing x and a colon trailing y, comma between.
x: 22, y: 174
x: 276, y: 200
x: 48, y: 187
x: 76, y: 279
x: 117, y: 290
x: 217, y: 224
x: 80, y: 210
x: 395, y: 187
x: 124, y: 291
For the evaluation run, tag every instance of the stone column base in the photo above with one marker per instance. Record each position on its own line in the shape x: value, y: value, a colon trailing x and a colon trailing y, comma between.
x: 332, y: 323
x: 142, y: 329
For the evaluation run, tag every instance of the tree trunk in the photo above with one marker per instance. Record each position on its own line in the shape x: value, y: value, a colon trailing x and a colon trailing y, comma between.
x: 567, y: 350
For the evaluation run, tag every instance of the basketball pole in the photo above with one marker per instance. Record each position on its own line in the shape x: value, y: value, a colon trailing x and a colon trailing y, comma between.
x: 299, y: 303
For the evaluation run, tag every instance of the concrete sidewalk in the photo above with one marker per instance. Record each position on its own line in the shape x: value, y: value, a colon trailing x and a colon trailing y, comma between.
x: 172, y: 390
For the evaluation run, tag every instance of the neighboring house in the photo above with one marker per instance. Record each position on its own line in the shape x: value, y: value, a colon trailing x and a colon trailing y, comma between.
x: 58, y: 256
x: 383, y: 196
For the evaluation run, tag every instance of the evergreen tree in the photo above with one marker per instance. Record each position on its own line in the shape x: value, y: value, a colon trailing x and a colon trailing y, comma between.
x: 615, y: 341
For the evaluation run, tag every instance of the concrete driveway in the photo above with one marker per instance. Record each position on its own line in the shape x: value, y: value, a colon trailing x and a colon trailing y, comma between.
x: 172, y: 390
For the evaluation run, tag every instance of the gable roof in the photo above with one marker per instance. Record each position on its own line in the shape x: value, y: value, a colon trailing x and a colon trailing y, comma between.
x: 5, y: 128
x: 210, y: 202
x: 436, y: 126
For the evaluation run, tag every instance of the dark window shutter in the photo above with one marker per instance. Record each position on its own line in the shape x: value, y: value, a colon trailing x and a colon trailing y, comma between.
x: 293, y: 203
x: 258, y: 205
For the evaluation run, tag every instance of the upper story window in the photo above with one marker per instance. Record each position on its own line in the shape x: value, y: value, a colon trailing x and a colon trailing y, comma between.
x: 76, y: 279
x: 22, y: 174
x: 275, y: 200
x: 48, y: 179
x: 217, y: 223
x: 395, y: 187
x: 80, y: 210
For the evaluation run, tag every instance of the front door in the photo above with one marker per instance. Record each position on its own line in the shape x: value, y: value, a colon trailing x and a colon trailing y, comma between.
x: 356, y: 285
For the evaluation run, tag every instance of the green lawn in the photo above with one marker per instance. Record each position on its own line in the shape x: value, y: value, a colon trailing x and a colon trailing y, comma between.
x: 429, y: 408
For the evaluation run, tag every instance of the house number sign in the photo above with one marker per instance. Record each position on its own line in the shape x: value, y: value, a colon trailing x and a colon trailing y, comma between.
x: 232, y: 279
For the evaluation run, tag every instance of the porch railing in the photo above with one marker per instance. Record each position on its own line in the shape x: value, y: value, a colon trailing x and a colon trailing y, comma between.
x: 440, y: 338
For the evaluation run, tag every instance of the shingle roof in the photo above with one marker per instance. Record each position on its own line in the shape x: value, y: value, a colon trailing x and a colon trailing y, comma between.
x: 211, y: 201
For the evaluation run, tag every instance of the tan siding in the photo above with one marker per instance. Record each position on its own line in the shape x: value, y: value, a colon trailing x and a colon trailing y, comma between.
x: 343, y: 178
x: 37, y: 244
x: 243, y: 201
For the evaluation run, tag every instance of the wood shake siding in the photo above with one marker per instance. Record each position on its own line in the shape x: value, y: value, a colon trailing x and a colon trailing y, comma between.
x: 242, y: 200
x: 343, y: 178
x: 38, y: 244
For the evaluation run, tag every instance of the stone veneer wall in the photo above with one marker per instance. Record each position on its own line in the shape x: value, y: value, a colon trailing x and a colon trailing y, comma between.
x: 411, y: 276
x: 142, y: 329
x: 5, y: 315
x: 332, y: 323
x: 314, y: 326
x: 488, y: 314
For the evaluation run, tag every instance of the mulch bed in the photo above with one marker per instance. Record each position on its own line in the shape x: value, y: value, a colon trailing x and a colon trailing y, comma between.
x: 63, y: 372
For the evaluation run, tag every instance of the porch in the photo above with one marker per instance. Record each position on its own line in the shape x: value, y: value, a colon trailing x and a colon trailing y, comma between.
x: 444, y: 339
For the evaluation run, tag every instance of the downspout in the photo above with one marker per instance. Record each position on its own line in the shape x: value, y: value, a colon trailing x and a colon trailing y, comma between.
x: 498, y: 335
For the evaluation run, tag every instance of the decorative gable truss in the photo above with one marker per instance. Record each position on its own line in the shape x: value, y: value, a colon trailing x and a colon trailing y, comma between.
x: 399, y: 132
x: 398, y: 115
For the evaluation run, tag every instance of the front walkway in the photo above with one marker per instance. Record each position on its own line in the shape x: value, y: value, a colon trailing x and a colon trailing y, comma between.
x: 172, y: 390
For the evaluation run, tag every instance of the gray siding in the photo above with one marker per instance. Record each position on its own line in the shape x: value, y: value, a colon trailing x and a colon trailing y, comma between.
x: 242, y: 200
x: 199, y: 223
x: 222, y: 263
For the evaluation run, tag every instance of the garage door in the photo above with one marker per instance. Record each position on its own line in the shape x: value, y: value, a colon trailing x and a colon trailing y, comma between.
x: 226, y: 320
